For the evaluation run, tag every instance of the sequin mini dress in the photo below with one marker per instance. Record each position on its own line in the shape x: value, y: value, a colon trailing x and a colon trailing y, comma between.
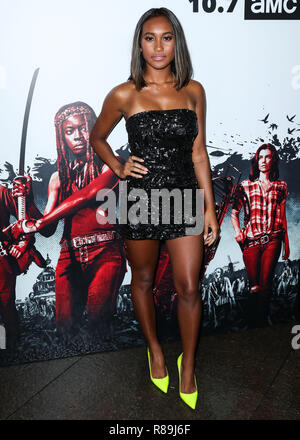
x: 164, y: 139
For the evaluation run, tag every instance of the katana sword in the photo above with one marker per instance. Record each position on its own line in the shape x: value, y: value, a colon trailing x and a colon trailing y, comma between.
x: 22, y: 199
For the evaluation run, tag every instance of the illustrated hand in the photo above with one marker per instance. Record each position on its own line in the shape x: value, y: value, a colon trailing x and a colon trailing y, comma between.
x: 17, y: 250
x: 20, y: 227
x: 133, y: 168
x: 21, y: 186
x: 211, y: 228
x: 240, y: 237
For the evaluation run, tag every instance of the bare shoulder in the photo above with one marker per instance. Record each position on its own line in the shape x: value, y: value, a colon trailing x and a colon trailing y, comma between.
x: 120, y: 95
x: 196, y: 90
x: 122, y: 90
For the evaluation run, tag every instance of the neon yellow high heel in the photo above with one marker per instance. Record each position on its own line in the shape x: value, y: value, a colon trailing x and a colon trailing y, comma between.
x: 189, y: 398
x: 162, y: 383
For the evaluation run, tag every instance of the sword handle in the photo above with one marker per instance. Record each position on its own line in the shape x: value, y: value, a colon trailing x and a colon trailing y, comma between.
x: 21, y: 207
x: 21, y: 200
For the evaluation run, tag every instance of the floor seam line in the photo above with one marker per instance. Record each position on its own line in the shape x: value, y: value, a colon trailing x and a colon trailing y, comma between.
x: 271, y: 383
x: 39, y: 391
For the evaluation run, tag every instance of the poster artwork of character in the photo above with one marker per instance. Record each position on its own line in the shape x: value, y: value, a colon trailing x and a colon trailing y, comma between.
x: 263, y: 198
x: 15, y: 257
x: 92, y: 262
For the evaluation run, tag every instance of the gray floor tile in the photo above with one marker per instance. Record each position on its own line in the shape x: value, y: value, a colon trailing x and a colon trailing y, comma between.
x: 282, y: 401
x: 19, y: 383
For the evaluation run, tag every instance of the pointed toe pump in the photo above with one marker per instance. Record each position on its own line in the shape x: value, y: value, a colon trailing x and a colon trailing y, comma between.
x: 162, y: 383
x: 189, y: 398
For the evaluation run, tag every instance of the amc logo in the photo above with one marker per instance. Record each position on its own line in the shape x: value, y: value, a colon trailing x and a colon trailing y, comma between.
x: 272, y: 10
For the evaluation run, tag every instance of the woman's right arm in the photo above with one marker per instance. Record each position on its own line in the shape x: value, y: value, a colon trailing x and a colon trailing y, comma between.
x: 111, y: 113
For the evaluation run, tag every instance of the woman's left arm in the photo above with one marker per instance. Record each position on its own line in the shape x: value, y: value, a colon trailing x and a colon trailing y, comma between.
x: 202, y: 169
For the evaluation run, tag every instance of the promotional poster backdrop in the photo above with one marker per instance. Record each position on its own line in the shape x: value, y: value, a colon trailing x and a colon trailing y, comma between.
x: 72, y: 295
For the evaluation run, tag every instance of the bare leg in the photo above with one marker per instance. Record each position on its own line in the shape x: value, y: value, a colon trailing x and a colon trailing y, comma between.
x: 142, y: 256
x: 186, y: 257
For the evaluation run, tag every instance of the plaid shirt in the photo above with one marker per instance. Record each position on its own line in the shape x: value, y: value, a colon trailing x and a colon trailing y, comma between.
x: 262, y: 211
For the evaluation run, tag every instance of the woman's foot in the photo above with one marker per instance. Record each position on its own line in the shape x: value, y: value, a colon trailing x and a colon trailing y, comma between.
x: 187, y: 377
x: 157, y: 360
x: 188, y: 395
x: 161, y: 382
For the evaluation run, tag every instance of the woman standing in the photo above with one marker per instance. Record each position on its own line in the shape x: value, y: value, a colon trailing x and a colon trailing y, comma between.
x: 164, y: 111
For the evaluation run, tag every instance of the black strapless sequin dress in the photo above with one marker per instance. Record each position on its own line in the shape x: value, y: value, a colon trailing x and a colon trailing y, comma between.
x: 164, y: 139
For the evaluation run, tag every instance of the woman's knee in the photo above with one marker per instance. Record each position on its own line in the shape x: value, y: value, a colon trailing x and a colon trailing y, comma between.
x: 187, y: 291
x: 143, y: 278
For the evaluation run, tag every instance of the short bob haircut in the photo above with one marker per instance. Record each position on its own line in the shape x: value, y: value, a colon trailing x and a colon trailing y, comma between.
x: 181, y: 66
x: 274, y: 171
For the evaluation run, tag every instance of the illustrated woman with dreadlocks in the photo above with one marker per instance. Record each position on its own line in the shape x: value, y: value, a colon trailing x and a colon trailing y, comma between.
x: 92, y: 262
x: 263, y: 198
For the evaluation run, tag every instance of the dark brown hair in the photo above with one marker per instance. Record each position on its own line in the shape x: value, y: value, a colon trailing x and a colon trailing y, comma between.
x: 181, y: 66
x: 274, y: 171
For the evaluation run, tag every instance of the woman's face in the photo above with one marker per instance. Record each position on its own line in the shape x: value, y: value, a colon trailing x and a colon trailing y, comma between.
x: 76, y: 134
x: 157, y: 42
x: 265, y: 160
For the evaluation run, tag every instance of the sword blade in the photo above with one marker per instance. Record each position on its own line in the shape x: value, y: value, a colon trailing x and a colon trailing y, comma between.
x: 25, y: 123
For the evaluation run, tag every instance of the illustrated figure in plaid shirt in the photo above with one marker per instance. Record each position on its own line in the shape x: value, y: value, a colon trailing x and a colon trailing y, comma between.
x: 92, y: 261
x: 263, y: 198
